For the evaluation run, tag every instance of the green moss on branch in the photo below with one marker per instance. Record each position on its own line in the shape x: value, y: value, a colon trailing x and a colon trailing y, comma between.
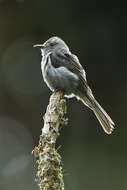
x: 49, y: 161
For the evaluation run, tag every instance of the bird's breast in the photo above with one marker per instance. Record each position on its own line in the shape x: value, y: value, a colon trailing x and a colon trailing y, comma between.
x: 58, y: 78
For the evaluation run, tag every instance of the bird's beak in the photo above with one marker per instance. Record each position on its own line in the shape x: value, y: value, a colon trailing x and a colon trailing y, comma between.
x: 39, y: 45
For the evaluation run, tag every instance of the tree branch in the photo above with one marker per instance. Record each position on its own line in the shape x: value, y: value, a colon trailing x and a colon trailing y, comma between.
x: 49, y: 161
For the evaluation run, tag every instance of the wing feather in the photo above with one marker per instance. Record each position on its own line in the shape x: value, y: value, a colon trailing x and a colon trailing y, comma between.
x: 70, y: 61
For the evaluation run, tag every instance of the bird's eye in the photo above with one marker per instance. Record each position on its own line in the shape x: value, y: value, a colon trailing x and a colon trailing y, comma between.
x: 52, y: 44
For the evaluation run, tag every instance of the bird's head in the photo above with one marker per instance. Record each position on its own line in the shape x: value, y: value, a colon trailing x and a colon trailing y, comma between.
x: 51, y: 44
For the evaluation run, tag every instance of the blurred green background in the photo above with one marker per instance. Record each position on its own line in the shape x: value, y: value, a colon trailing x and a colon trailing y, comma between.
x: 96, y: 31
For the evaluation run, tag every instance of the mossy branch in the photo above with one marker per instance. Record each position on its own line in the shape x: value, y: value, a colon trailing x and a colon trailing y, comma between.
x: 49, y: 161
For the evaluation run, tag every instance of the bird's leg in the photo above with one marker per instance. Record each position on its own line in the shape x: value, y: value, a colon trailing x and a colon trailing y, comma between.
x: 58, y: 89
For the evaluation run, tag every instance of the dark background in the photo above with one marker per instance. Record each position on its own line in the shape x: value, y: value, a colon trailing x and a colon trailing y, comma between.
x: 96, y: 31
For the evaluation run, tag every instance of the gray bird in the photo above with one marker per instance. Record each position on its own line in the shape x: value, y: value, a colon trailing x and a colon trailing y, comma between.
x: 62, y: 70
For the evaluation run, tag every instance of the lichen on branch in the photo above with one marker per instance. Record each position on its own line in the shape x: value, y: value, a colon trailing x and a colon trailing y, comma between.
x: 49, y: 160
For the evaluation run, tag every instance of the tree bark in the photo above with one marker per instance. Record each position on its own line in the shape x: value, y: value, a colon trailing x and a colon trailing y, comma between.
x: 49, y: 160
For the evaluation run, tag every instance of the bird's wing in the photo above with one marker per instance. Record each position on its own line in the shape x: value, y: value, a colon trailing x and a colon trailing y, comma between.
x: 70, y: 61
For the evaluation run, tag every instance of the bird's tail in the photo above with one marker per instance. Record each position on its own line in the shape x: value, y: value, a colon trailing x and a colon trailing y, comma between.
x: 104, y: 119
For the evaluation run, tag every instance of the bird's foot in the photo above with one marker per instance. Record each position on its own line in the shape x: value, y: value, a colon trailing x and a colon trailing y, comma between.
x: 57, y: 90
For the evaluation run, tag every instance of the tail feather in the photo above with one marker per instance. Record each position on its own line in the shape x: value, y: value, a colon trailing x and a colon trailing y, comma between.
x: 104, y: 119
